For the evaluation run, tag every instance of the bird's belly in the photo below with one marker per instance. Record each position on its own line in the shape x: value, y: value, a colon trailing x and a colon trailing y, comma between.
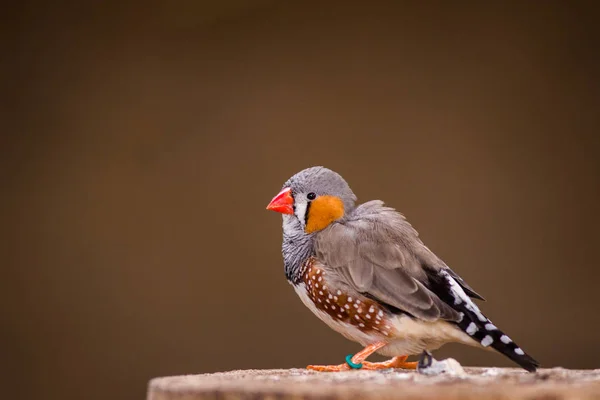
x: 356, y: 317
x: 349, y: 331
x: 365, y: 321
x: 405, y: 335
x: 412, y: 336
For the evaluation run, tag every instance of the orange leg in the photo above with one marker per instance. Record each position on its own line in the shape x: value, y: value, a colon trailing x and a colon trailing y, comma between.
x: 361, y: 356
x: 396, y: 362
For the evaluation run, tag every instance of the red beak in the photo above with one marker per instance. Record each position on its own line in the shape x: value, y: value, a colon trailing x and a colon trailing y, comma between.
x: 283, y: 202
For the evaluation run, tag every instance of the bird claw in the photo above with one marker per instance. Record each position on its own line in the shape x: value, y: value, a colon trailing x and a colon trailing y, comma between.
x: 329, y: 368
x: 396, y: 362
x: 430, y: 366
x: 425, y: 360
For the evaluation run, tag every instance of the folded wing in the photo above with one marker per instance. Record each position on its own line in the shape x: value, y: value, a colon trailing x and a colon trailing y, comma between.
x: 380, y: 254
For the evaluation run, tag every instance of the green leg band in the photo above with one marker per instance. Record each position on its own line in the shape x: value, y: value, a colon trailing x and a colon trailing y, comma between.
x: 351, y: 364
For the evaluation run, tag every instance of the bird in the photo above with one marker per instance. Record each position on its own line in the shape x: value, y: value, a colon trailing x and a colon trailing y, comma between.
x: 364, y: 271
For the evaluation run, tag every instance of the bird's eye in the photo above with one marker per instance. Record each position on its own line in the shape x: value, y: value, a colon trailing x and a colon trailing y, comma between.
x: 311, y: 196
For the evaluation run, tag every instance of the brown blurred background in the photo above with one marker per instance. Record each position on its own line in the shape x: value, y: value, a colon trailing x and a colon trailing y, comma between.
x: 142, y: 142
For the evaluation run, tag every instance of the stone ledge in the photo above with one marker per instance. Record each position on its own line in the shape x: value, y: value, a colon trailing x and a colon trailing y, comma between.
x: 280, y: 384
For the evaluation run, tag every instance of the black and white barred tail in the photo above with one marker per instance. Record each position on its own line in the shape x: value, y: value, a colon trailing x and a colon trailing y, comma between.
x: 487, y: 334
x: 481, y: 329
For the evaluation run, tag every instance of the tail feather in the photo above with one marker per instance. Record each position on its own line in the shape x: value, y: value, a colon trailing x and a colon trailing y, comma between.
x: 479, y: 327
x: 487, y: 334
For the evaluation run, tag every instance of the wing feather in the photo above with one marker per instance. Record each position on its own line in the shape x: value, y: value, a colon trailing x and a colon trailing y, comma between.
x: 377, y: 252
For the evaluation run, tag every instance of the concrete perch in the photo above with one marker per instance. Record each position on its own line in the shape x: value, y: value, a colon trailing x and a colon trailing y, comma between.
x: 477, y: 383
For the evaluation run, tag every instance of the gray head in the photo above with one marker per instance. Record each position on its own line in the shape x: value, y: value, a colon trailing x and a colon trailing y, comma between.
x: 312, y: 199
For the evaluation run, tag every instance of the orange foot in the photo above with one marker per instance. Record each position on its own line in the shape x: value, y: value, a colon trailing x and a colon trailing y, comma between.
x: 359, y: 358
x: 396, y: 362
x: 329, y: 368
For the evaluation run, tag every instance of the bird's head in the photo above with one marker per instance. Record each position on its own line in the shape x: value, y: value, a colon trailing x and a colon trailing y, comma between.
x: 312, y: 199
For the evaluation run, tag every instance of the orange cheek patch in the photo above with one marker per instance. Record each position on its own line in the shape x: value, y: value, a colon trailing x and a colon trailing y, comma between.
x: 323, y: 211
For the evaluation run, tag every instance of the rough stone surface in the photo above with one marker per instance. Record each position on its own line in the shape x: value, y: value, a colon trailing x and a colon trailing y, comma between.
x: 479, y: 383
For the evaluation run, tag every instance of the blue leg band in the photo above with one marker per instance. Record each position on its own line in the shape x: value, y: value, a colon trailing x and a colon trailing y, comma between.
x: 351, y: 364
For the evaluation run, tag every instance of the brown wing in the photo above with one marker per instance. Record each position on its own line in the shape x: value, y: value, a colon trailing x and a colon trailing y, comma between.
x: 378, y: 253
